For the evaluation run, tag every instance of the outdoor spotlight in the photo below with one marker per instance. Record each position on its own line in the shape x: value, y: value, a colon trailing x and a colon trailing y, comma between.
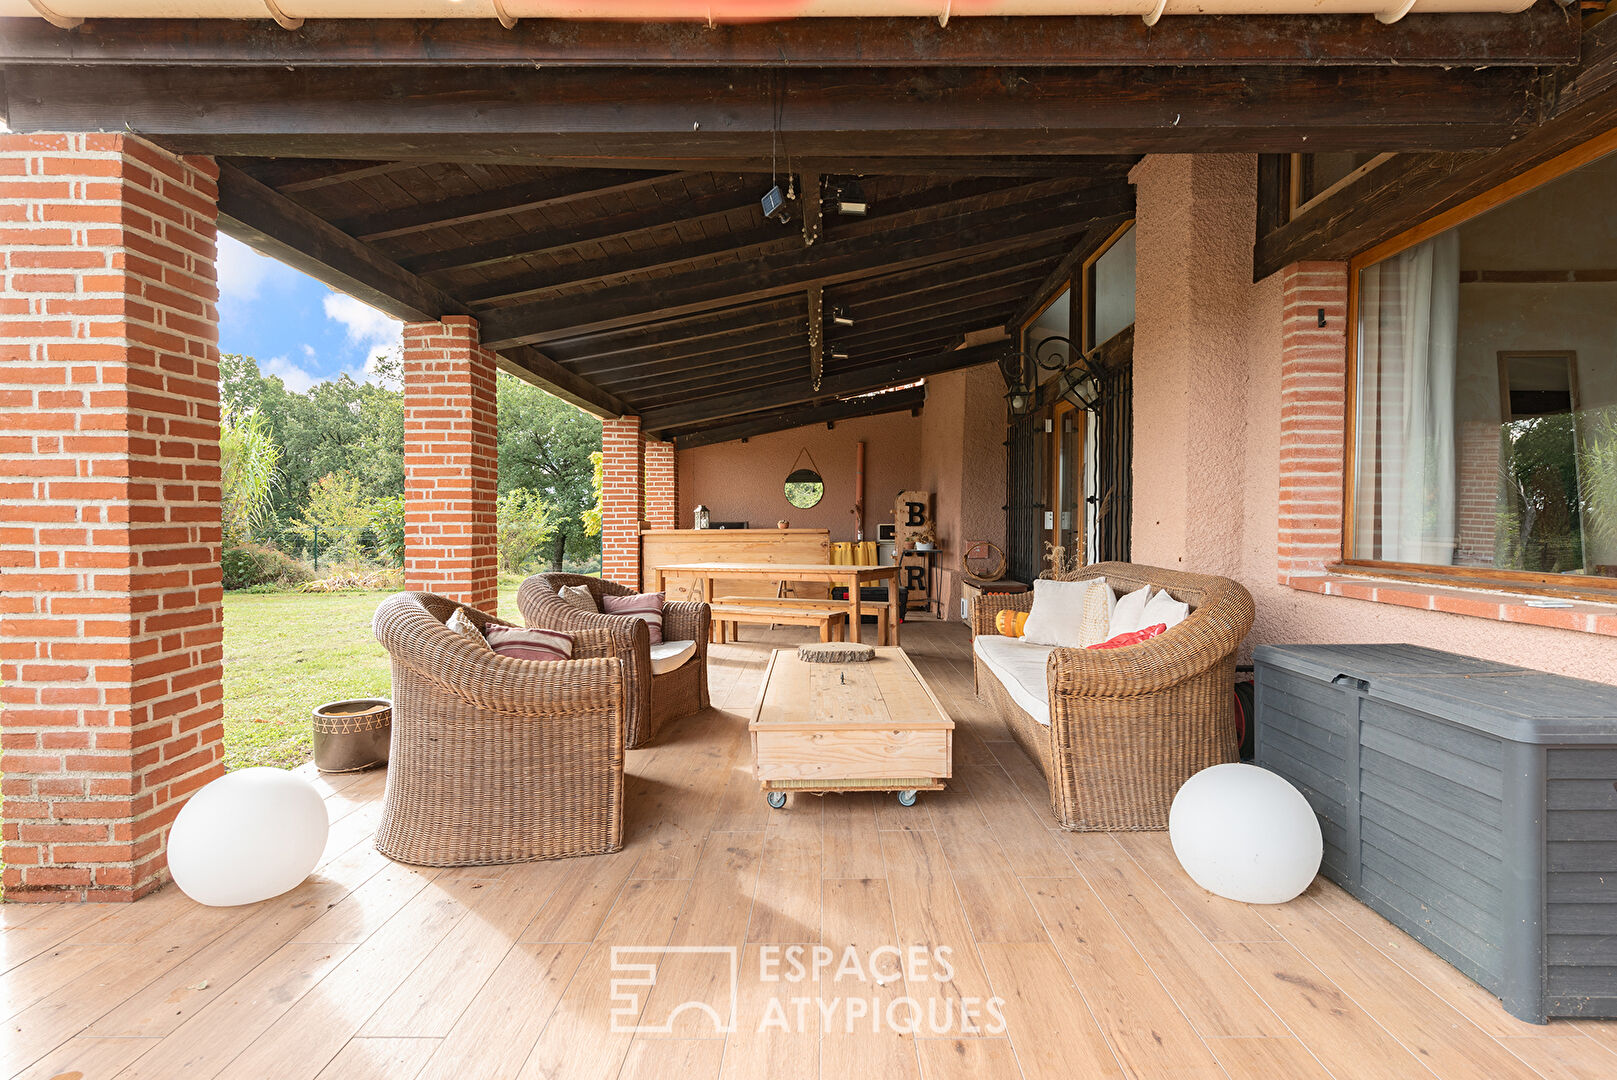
x: 774, y: 204
x: 848, y: 198
x: 838, y: 353
x: 840, y: 316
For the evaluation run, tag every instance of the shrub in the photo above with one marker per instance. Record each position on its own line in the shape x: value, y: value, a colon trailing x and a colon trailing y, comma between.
x: 249, y: 565
x: 357, y: 579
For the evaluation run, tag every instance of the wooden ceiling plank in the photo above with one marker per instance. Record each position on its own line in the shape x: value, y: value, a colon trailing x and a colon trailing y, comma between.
x: 495, y: 202
x: 1538, y: 36
x: 524, y: 245
x: 897, y: 373
x: 764, y: 424
x: 984, y: 233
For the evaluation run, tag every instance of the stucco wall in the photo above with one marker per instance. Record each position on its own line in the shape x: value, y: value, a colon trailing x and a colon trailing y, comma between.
x: 963, y: 464
x: 741, y: 481
x: 1207, y: 423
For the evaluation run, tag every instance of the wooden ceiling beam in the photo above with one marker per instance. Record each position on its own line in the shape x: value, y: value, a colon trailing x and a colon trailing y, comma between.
x: 764, y: 234
x: 1410, y: 188
x: 784, y: 419
x: 291, y: 175
x: 1537, y: 36
x: 521, y: 244
x: 695, y: 327
x: 534, y: 366
x: 442, y: 112
x: 983, y: 233
x: 266, y: 220
x: 894, y: 374
x: 496, y: 202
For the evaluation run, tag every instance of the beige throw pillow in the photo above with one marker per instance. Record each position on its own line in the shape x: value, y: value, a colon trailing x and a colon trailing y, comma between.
x: 1099, y: 600
x: 1058, y: 613
x: 580, y: 597
x: 462, y: 624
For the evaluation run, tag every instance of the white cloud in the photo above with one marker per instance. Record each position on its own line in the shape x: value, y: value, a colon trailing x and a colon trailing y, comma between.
x: 297, y: 380
x: 368, y: 329
x: 242, y: 270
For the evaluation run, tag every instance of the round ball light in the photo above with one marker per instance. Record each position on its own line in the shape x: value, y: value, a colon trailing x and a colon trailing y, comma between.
x: 1246, y: 834
x: 246, y: 837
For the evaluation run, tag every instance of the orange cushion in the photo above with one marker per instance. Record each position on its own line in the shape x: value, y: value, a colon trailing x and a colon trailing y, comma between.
x: 1011, y: 623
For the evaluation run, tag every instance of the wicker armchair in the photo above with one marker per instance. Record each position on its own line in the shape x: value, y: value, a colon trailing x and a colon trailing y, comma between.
x: 1129, y: 726
x: 654, y: 700
x: 496, y: 760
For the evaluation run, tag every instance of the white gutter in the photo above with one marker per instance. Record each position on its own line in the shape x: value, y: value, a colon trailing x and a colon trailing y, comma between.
x: 291, y: 13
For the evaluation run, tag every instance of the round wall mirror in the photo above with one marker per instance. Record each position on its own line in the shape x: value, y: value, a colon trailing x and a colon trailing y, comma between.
x: 804, y: 488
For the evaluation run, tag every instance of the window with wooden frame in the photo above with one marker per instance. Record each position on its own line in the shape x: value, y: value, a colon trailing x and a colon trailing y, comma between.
x: 1107, y: 282
x: 1482, y: 428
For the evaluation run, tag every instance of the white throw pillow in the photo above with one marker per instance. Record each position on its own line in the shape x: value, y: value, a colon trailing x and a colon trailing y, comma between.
x: 1057, y: 617
x: 1126, y: 615
x: 1099, y: 601
x: 462, y: 624
x: 1163, y: 608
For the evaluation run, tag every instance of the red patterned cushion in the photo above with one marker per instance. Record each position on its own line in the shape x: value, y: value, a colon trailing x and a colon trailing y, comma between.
x: 1125, y: 639
x: 647, y: 606
x: 529, y: 644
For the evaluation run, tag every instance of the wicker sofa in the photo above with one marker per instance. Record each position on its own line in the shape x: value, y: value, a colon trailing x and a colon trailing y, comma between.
x: 1124, y: 727
x: 654, y: 697
x: 496, y: 760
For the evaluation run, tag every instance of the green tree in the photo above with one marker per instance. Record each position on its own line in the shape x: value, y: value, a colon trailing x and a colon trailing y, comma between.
x: 524, y: 525
x: 248, y: 458
x: 545, y: 445
x: 387, y: 522
x: 592, y: 516
x: 336, y: 514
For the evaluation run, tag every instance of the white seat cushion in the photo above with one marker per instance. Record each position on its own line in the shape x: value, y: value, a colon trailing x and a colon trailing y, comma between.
x: 668, y: 655
x: 1019, y: 667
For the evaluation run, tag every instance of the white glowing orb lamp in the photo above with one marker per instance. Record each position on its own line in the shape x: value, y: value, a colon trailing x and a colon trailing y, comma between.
x: 1245, y: 833
x: 247, y: 836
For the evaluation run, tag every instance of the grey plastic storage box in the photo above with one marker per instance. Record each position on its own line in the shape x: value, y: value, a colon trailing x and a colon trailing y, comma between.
x: 1472, y: 804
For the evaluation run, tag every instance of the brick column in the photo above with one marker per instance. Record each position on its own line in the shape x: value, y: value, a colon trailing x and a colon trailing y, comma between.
x: 451, y: 462
x: 623, y: 475
x: 662, y: 485
x: 110, y: 621
x: 1313, y: 416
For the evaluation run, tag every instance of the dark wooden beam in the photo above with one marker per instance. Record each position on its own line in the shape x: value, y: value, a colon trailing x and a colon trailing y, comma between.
x: 445, y: 113
x: 1537, y: 36
x: 816, y: 334
x: 535, y: 367
x: 983, y: 233
x: 291, y: 175
x: 523, y: 245
x: 894, y: 374
x: 1410, y: 188
x: 766, y: 235
x: 696, y: 327
x: 783, y: 419
x: 495, y: 202
x: 272, y: 223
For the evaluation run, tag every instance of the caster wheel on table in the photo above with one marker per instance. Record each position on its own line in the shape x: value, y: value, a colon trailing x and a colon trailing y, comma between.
x: 777, y: 799
x: 906, y: 798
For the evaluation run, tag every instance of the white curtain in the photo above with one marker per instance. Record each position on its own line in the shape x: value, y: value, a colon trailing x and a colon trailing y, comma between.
x: 1405, y: 485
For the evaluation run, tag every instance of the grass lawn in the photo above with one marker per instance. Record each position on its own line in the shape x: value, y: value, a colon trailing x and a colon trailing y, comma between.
x: 287, y: 652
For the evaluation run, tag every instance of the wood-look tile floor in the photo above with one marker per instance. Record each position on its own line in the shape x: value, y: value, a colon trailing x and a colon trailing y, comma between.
x: 1104, y: 960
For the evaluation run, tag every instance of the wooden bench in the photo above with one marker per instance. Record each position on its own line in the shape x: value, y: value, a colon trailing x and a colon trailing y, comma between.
x: 880, y: 608
x: 766, y: 614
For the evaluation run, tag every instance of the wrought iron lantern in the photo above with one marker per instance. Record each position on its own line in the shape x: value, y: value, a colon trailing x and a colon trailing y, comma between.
x: 1077, y: 381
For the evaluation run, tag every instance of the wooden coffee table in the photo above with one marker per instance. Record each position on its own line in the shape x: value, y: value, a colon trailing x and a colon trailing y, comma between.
x: 872, y: 726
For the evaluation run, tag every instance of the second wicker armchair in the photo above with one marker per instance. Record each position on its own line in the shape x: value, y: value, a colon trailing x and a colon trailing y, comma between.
x: 655, y: 696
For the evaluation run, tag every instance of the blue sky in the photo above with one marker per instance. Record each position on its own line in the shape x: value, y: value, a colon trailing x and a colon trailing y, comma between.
x: 293, y: 325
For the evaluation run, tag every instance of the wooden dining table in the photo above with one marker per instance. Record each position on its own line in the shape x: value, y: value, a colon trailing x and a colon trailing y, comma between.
x: 850, y: 575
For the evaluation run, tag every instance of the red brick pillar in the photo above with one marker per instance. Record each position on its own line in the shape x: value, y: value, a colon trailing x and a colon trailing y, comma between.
x: 662, y: 486
x: 623, y: 474
x: 110, y: 621
x: 1313, y: 416
x: 451, y: 462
